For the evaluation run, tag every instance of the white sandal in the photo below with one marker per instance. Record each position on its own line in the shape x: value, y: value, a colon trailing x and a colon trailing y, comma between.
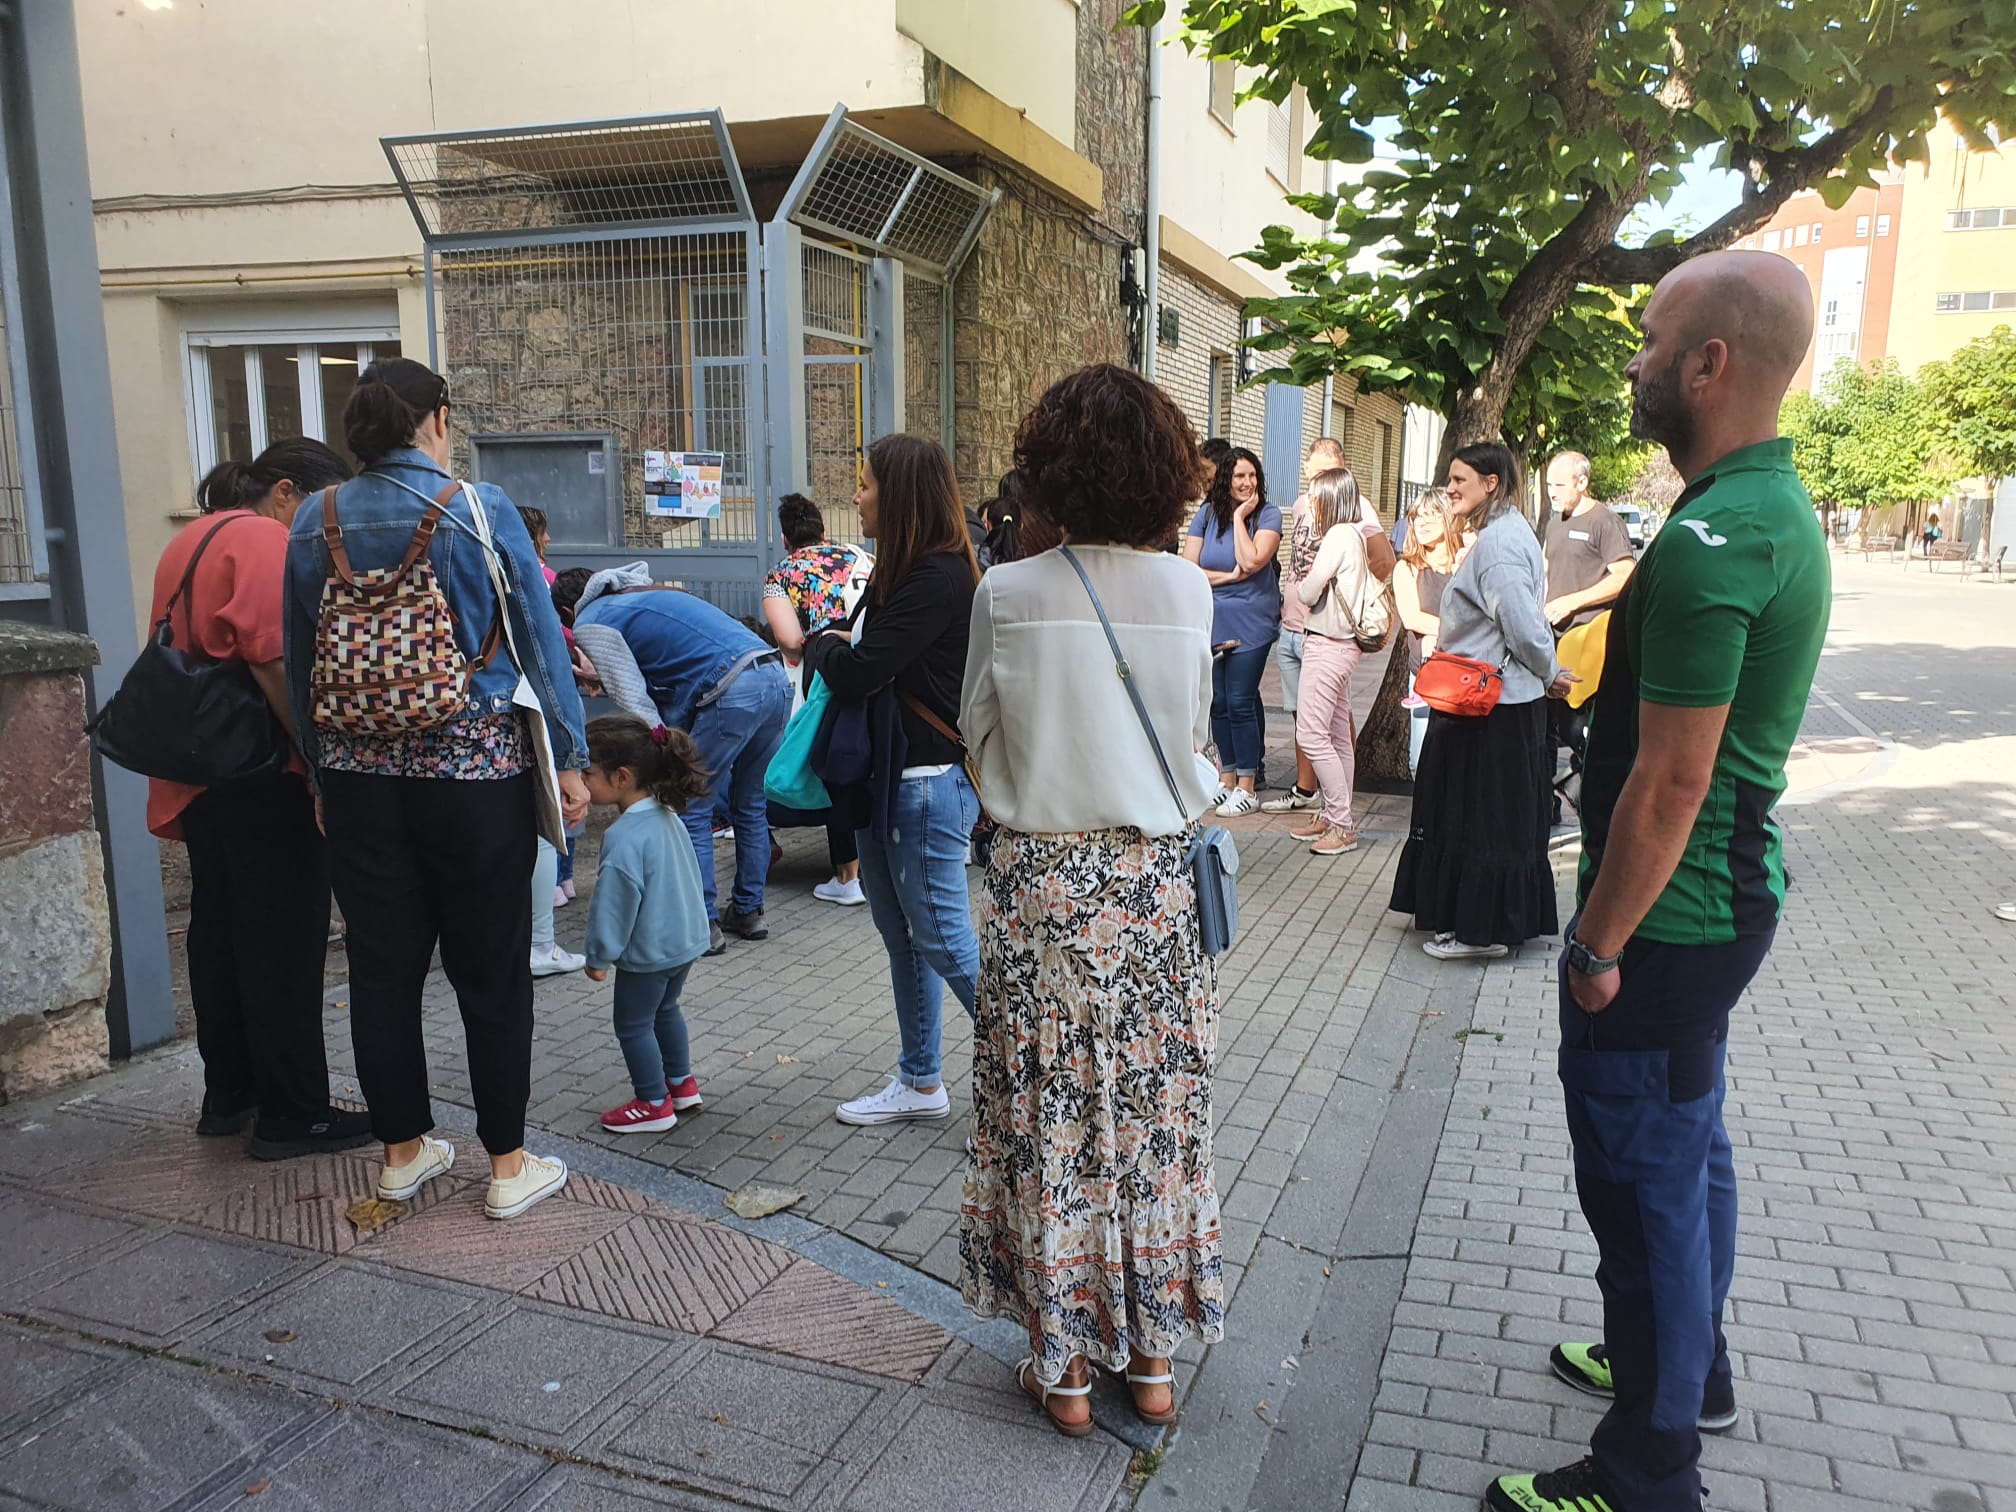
x: 1035, y: 1386
x: 1166, y: 1378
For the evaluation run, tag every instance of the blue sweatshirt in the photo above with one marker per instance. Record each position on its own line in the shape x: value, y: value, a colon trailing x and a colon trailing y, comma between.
x: 647, y: 912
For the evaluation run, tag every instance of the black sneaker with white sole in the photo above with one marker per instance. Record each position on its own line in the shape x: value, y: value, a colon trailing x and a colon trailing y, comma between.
x: 332, y: 1129
x: 1586, y: 1367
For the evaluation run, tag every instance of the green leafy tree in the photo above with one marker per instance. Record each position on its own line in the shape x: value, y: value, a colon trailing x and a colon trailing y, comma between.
x: 1974, y: 394
x: 1530, y: 131
x: 1869, y: 439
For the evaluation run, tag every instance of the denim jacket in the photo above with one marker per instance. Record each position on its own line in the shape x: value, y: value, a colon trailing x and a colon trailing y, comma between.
x: 379, y: 510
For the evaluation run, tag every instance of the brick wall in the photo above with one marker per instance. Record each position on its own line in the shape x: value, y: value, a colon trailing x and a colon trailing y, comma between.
x: 1111, y: 122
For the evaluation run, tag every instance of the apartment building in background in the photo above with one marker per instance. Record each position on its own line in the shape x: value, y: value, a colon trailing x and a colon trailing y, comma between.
x: 604, y: 270
x: 1849, y: 256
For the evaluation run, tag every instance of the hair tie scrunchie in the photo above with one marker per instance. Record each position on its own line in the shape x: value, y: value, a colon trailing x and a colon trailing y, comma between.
x: 659, y: 736
x: 1006, y: 520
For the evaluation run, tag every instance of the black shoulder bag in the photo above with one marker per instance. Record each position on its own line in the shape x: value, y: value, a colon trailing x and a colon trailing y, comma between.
x: 182, y: 717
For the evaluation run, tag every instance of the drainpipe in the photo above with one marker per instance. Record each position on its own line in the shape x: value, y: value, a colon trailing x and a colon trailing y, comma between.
x: 1152, y: 208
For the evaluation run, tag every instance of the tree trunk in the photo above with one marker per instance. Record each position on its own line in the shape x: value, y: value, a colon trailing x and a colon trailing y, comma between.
x: 1382, y: 739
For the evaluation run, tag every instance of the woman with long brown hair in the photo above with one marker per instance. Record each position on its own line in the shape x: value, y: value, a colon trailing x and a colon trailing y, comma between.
x: 905, y: 656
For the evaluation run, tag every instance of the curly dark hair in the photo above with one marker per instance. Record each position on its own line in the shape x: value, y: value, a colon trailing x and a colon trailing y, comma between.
x: 800, y: 522
x: 666, y: 763
x: 1220, y: 497
x: 1107, y: 456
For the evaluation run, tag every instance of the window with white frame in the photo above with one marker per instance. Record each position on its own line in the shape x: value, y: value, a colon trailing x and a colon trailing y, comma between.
x: 1816, y: 233
x: 1975, y: 301
x: 1882, y: 225
x: 1770, y: 241
x: 1224, y: 379
x: 1280, y: 139
x: 1861, y: 226
x: 255, y: 378
x: 1992, y: 219
x: 1797, y: 235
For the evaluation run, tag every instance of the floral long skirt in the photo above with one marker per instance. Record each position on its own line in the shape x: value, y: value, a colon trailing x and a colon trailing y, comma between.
x: 1090, y: 1212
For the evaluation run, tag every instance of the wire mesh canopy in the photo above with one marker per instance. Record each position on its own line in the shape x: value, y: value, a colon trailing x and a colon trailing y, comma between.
x: 865, y: 189
x: 658, y: 170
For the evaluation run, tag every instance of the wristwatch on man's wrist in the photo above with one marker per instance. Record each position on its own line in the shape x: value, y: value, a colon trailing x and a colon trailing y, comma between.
x: 1585, y: 961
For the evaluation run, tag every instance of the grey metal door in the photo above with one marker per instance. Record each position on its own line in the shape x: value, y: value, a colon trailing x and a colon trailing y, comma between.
x: 1281, y: 451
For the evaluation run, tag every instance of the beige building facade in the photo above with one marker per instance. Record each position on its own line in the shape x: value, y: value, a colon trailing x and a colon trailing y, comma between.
x: 256, y: 255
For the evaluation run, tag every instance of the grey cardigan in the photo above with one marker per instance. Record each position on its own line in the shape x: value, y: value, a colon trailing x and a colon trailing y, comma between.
x: 1493, y: 609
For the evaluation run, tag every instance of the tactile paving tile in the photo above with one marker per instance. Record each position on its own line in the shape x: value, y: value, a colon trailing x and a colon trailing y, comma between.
x: 306, y: 1202
x: 456, y: 1240
x: 166, y: 1178
x: 596, y: 1192
x: 687, y: 1276
x: 814, y: 1314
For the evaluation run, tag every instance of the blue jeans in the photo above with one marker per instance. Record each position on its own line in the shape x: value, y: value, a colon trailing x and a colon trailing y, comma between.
x: 916, y: 886
x: 737, y: 735
x: 565, y: 871
x: 545, y: 877
x: 1235, y: 709
x: 651, y: 1030
x: 1657, y: 1182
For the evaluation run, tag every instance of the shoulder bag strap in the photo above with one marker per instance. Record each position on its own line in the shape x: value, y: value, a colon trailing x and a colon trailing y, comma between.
x: 500, y: 627
x: 918, y: 707
x: 183, y: 593
x: 1127, y: 681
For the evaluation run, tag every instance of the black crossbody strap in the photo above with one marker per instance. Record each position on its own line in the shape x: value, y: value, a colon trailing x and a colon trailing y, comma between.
x: 183, y: 593
x: 1127, y: 681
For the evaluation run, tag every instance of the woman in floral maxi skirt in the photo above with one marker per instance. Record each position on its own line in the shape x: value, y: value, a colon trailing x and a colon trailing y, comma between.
x: 1090, y: 1212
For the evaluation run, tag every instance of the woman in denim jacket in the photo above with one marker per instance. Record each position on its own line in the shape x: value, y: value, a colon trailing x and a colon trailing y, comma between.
x: 432, y: 834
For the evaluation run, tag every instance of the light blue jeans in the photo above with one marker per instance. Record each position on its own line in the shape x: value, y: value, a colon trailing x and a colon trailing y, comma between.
x: 737, y: 735
x: 545, y: 877
x: 916, y: 886
x: 1417, y: 731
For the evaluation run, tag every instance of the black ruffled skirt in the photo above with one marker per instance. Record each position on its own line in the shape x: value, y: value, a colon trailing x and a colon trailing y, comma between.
x: 1475, y: 864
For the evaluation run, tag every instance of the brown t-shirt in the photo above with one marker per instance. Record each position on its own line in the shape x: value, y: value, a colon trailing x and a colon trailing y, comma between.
x: 1579, y: 550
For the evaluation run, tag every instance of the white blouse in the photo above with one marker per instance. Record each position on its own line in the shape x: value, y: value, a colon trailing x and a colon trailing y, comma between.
x: 1059, y: 746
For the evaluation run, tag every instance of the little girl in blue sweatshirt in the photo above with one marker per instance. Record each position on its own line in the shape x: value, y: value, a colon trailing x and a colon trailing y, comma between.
x: 648, y: 917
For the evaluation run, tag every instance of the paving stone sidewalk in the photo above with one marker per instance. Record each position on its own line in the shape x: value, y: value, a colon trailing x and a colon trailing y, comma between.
x: 182, y: 1327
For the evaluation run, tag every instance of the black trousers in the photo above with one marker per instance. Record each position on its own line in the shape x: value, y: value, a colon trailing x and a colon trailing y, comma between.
x: 258, y: 936
x: 418, y: 862
x: 1567, y: 729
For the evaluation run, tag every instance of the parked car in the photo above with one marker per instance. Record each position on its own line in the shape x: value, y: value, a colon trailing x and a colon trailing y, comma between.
x: 1634, y: 523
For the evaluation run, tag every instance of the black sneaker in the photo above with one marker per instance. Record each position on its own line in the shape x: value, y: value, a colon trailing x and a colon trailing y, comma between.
x: 745, y: 926
x: 1586, y: 1367
x: 214, y: 1123
x: 717, y: 942
x: 1573, y: 1488
x: 286, y: 1138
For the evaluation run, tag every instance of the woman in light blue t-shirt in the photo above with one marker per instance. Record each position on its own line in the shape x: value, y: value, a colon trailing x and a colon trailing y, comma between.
x: 1234, y: 537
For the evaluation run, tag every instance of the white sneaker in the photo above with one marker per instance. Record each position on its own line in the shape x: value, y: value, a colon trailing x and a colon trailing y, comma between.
x: 551, y: 960
x: 1238, y: 802
x: 1446, y: 947
x: 399, y: 1183
x: 1221, y: 795
x: 1291, y: 801
x: 846, y: 894
x: 561, y: 897
x: 2007, y: 913
x: 893, y: 1104
x: 539, y: 1177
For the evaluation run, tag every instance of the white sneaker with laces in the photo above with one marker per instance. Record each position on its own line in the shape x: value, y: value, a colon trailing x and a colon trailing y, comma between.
x: 893, y: 1104
x: 1446, y: 947
x: 538, y: 1177
x: 400, y: 1183
x: 846, y: 894
x: 1290, y: 801
x: 551, y: 960
x: 1238, y: 802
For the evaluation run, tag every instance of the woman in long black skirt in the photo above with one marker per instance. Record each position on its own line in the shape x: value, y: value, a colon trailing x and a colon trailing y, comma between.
x: 1475, y: 870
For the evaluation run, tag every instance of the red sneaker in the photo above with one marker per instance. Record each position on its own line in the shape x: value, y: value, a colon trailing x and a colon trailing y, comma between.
x: 640, y: 1117
x: 685, y: 1095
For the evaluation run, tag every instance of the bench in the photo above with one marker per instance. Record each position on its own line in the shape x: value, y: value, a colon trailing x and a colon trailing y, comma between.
x: 1948, y: 551
x: 1889, y: 545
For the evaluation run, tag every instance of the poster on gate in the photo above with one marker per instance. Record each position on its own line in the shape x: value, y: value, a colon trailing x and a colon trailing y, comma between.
x: 683, y: 485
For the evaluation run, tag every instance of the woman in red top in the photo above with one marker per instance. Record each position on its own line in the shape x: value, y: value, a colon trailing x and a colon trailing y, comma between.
x: 259, y: 886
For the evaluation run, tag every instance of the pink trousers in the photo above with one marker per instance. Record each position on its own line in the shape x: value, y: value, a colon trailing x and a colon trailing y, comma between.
x: 1323, y: 721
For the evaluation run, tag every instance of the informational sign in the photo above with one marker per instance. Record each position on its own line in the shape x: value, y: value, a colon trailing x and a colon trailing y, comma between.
x: 683, y: 485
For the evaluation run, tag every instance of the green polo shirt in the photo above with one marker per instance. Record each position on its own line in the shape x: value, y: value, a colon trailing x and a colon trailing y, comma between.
x: 1728, y: 606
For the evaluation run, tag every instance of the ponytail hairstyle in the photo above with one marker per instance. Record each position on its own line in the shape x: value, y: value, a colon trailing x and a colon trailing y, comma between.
x: 665, y: 762
x: 305, y: 463
x: 1333, y: 498
x: 1004, y: 515
x: 392, y: 398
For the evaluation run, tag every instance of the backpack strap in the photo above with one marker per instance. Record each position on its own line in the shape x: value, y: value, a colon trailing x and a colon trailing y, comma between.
x: 423, y: 536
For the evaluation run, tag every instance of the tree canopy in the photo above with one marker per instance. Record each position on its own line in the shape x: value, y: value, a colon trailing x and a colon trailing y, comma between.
x: 1868, y: 439
x: 1527, y: 132
x: 1974, y: 392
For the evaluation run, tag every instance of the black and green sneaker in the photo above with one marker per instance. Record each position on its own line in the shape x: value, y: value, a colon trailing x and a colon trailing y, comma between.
x: 1573, y: 1488
x: 1586, y: 1367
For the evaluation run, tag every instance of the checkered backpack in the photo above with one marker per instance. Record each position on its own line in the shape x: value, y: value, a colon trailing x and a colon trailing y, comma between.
x: 386, y: 662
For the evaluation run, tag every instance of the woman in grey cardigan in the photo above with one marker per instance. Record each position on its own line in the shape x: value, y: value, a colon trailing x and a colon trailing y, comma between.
x: 1475, y: 871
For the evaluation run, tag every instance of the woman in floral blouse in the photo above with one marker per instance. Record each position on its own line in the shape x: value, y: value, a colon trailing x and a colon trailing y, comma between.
x: 1090, y: 1211
x: 815, y: 588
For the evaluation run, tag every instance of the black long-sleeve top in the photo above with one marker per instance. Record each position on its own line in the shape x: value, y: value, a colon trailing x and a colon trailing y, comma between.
x: 917, y: 642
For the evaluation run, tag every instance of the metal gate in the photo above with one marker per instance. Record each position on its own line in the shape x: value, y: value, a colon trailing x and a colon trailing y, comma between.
x: 592, y: 301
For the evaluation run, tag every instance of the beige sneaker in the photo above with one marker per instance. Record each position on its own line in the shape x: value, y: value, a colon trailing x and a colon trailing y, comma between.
x: 538, y: 1178
x: 399, y: 1183
x: 1335, y: 842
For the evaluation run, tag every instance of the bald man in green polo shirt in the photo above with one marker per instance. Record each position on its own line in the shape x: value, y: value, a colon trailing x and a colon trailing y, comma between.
x: 1710, y: 657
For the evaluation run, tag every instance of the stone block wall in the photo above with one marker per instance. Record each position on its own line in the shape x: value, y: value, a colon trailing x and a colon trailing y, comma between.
x: 55, y: 923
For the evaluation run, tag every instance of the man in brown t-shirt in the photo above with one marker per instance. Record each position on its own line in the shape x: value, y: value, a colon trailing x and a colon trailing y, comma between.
x: 1588, y: 558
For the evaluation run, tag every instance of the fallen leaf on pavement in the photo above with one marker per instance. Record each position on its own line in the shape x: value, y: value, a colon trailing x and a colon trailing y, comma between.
x: 759, y: 1200
x: 721, y: 1418
x: 279, y: 1336
x: 256, y: 1487
x: 373, y: 1213
x: 787, y: 1060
